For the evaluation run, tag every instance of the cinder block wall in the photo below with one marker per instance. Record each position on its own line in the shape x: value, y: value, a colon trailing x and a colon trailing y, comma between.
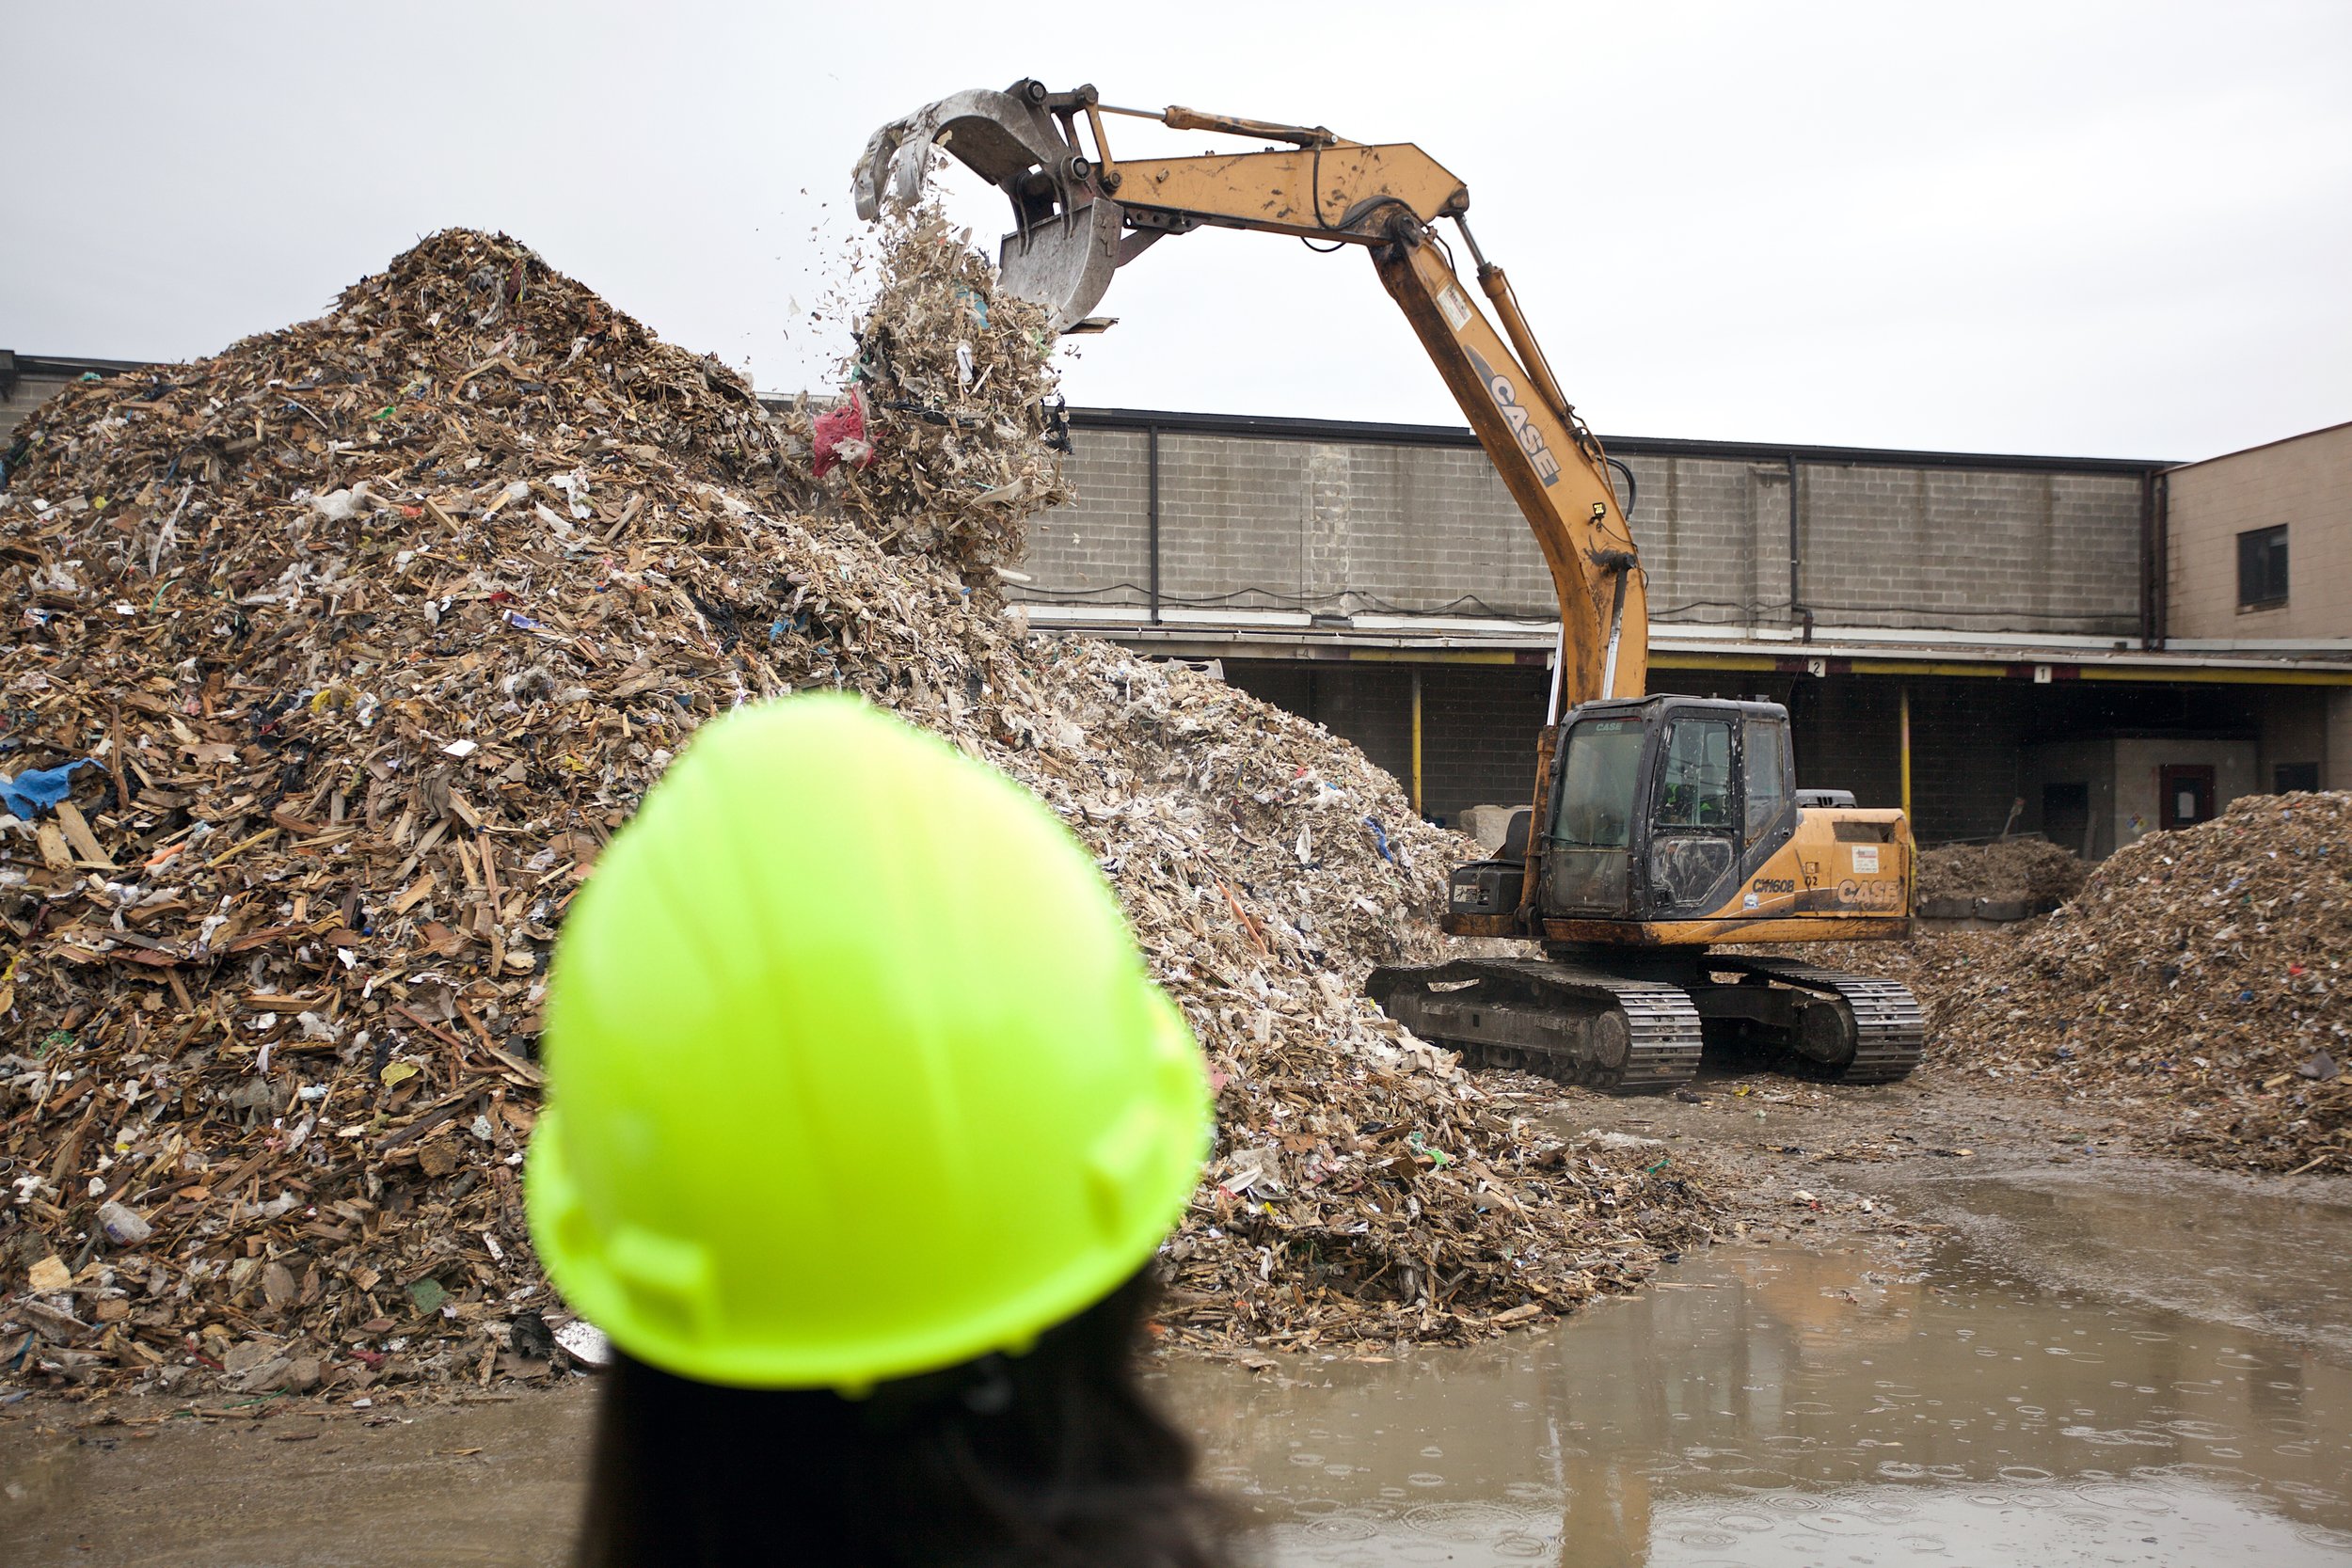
x: 1356, y: 526
x: 1100, y: 548
x: 28, y: 392
x: 1971, y: 550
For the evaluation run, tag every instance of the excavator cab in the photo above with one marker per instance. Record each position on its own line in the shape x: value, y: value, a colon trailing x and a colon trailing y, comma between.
x: 1657, y: 806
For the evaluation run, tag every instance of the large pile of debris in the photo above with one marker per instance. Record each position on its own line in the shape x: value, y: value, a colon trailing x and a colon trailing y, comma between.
x: 2202, y: 971
x: 355, y: 642
x: 2028, y: 872
x: 2199, y: 980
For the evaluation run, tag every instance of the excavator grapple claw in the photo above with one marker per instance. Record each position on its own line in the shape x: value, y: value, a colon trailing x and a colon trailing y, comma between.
x: 1065, y: 241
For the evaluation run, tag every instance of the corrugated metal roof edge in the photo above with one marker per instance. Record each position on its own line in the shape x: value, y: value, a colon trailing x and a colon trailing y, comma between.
x: 1240, y: 628
x: 68, y: 365
x: 1276, y: 427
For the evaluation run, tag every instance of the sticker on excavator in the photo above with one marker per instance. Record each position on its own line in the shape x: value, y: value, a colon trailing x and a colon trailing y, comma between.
x: 1456, y: 309
x: 1865, y: 860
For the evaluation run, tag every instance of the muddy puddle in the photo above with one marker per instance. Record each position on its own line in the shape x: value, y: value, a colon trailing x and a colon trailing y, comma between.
x: 1770, y: 1405
x: 2225, y: 1249
x: 2094, y: 1367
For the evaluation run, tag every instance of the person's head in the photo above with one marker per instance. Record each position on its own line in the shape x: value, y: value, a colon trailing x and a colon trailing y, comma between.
x: 865, y: 1123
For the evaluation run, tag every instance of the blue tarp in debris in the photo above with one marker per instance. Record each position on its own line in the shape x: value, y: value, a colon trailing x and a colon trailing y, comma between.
x: 28, y: 795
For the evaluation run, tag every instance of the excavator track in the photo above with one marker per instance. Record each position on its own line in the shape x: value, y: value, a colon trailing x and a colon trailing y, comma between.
x: 1890, y: 1031
x: 1570, y: 1025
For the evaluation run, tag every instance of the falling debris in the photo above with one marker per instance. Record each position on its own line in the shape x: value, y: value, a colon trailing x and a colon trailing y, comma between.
x: 375, y: 629
x: 950, y: 432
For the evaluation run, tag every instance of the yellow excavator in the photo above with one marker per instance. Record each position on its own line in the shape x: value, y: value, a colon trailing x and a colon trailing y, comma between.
x: 1664, y: 828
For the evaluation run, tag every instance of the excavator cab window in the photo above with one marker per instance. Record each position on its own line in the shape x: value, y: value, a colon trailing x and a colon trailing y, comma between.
x: 1771, y: 776
x: 1694, y: 783
x: 1691, y: 846
x: 1599, y: 783
x: 1588, y: 862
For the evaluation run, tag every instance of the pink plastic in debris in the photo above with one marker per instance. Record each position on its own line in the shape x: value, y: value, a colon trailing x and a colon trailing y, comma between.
x: 839, y: 436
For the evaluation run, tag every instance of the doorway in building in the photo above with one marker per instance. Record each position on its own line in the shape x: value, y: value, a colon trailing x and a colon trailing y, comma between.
x: 2288, y: 776
x: 2066, y: 815
x: 2186, y: 791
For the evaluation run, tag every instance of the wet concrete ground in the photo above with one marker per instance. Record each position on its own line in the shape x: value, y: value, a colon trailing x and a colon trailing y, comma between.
x: 2066, y: 1194
x: 2085, y: 1358
x: 1767, y: 1405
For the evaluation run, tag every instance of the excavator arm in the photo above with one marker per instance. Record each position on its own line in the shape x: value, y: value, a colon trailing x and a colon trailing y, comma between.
x: 1078, y: 217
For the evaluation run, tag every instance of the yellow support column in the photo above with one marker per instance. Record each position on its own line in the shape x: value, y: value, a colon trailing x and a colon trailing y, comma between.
x: 1906, y: 747
x: 1416, y: 740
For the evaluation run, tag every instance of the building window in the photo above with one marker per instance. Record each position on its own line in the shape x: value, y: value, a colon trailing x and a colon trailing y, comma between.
x: 2261, y: 568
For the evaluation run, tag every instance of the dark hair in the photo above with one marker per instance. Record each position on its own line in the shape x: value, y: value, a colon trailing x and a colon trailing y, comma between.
x: 1052, y: 1457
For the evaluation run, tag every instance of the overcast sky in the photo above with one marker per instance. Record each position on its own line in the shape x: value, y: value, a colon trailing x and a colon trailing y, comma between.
x: 2099, y: 229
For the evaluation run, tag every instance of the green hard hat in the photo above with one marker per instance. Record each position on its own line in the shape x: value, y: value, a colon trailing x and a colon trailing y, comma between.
x: 853, y: 1068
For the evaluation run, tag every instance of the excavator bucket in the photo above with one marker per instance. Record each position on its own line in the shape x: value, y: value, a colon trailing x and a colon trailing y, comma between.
x: 1066, y: 237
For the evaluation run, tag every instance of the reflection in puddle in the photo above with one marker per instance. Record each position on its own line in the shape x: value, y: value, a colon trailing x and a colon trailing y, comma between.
x: 1769, y: 1406
x: 2176, y: 1241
